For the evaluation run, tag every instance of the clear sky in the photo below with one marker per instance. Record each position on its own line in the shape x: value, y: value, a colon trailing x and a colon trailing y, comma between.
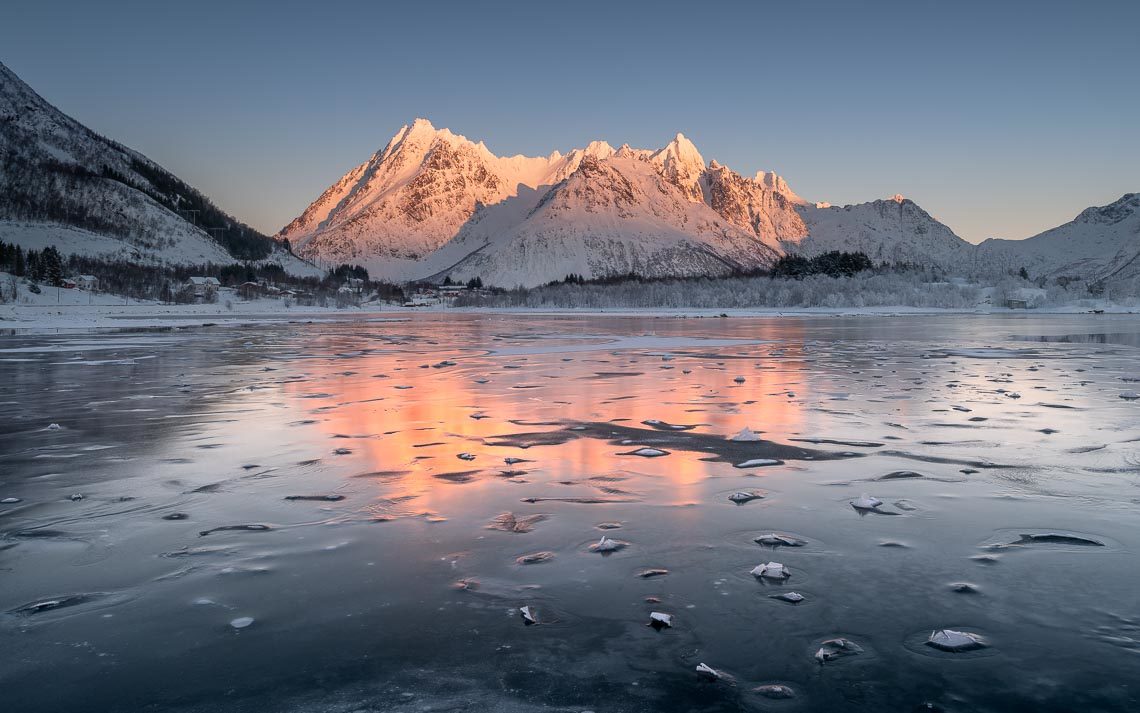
x: 1000, y: 118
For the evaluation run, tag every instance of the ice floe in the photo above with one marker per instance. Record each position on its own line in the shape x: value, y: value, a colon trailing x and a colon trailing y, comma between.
x: 771, y: 570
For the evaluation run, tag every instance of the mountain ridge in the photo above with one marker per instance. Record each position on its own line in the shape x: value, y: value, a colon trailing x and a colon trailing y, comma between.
x: 103, y: 197
x: 416, y: 196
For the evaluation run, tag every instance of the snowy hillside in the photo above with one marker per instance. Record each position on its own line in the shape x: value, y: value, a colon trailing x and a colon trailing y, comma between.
x: 892, y: 231
x: 63, y: 184
x: 1100, y: 243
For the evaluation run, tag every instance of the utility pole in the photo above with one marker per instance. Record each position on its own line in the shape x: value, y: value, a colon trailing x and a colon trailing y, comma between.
x: 192, y: 213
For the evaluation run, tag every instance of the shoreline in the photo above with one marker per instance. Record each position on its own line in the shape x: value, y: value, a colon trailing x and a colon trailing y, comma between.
x: 36, y: 318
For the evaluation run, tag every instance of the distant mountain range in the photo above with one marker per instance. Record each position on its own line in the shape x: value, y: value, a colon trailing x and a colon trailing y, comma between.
x: 62, y: 184
x: 432, y: 204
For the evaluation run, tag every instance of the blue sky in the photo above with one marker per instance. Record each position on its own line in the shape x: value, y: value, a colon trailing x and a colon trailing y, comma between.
x: 1000, y: 118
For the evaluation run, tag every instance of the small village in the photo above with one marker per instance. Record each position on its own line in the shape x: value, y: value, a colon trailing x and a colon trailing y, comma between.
x: 352, y: 291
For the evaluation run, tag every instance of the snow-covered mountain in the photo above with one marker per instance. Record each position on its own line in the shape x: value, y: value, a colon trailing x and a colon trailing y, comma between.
x: 413, y: 195
x: 62, y: 184
x: 1102, y: 243
x: 611, y: 216
x: 894, y: 230
x: 433, y: 204
x: 423, y: 206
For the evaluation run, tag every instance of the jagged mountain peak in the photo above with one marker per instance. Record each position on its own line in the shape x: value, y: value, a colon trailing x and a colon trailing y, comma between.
x: 681, y: 163
x: 430, y: 198
x: 679, y: 152
x: 774, y: 182
x: 609, y: 217
x: 598, y: 149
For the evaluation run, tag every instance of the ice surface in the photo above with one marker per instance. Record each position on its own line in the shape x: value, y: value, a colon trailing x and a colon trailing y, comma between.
x: 392, y: 536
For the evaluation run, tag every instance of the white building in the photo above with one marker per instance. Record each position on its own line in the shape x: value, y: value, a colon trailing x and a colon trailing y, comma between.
x: 86, y: 282
x: 203, y: 286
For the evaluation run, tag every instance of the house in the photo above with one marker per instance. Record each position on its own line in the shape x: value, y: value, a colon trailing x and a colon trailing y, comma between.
x: 1017, y: 304
x: 203, y: 286
x: 250, y: 290
x: 86, y: 282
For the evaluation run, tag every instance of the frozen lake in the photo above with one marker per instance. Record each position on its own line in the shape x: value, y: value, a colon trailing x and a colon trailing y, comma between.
x: 352, y: 488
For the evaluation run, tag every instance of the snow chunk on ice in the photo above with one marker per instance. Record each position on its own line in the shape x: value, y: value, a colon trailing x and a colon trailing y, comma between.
x: 955, y: 641
x: 745, y: 496
x: 608, y: 545
x: 659, y: 620
x: 646, y: 453
x: 746, y: 434
x: 772, y: 570
x: 836, y: 648
x: 241, y: 622
x: 707, y: 672
x: 758, y: 462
